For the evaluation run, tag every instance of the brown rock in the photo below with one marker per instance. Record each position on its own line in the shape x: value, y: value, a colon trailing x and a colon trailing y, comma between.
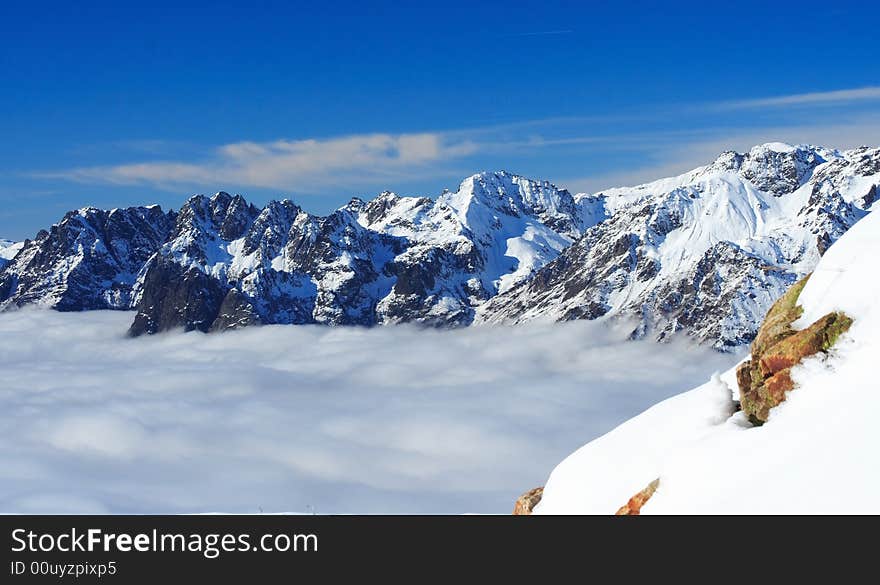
x: 775, y: 387
x: 764, y: 380
x: 527, y: 502
x: 634, y: 506
x: 819, y: 336
x: 777, y: 323
x: 744, y: 374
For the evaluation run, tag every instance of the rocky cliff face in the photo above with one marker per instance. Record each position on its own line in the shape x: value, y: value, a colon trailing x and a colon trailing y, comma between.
x: 173, y: 295
x: 705, y: 253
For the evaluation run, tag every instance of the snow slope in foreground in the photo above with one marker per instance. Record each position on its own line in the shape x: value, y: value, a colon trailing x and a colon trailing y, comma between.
x: 816, y: 454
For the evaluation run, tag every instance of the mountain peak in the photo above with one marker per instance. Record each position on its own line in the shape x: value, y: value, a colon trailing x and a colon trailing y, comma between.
x: 773, y: 167
x: 503, y: 176
x: 781, y: 147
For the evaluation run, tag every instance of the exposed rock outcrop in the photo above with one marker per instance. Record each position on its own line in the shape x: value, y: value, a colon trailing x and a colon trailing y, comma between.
x: 236, y: 311
x: 527, y: 502
x: 765, y: 378
x: 634, y: 506
x: 175, y: 296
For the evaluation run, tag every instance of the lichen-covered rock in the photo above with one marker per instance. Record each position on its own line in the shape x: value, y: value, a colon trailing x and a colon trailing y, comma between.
x: 819, y: 336
x: 765, y: 378
x: 777, y: 324
x: 527, y: 502
x: 634, y: 506
x: 772, y: 392
x: 744, y: 374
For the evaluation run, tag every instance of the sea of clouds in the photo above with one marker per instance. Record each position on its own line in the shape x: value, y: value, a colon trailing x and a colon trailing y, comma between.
x: 310, y: 419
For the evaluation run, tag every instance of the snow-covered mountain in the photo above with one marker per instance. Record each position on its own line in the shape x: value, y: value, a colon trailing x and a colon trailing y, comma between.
x: 705, y: 252
x: 696, y: 454
x: 89, y: 260
x: 467, y: 246
x: 392, y: 259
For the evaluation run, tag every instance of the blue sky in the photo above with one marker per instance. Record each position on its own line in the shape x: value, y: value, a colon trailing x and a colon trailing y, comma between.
x: 115, y: 104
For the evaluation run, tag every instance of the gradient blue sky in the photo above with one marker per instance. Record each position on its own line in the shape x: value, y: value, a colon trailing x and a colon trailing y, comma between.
x: 115, y: 104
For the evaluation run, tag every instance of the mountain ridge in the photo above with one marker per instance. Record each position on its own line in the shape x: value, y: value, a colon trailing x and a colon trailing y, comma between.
x: 705, y: 252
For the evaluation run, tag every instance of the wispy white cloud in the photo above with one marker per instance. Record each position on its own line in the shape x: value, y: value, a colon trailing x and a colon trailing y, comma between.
x: 288, y: 164
x: 384, y: 159
x: 814, y: 98
x: 672, y: 154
